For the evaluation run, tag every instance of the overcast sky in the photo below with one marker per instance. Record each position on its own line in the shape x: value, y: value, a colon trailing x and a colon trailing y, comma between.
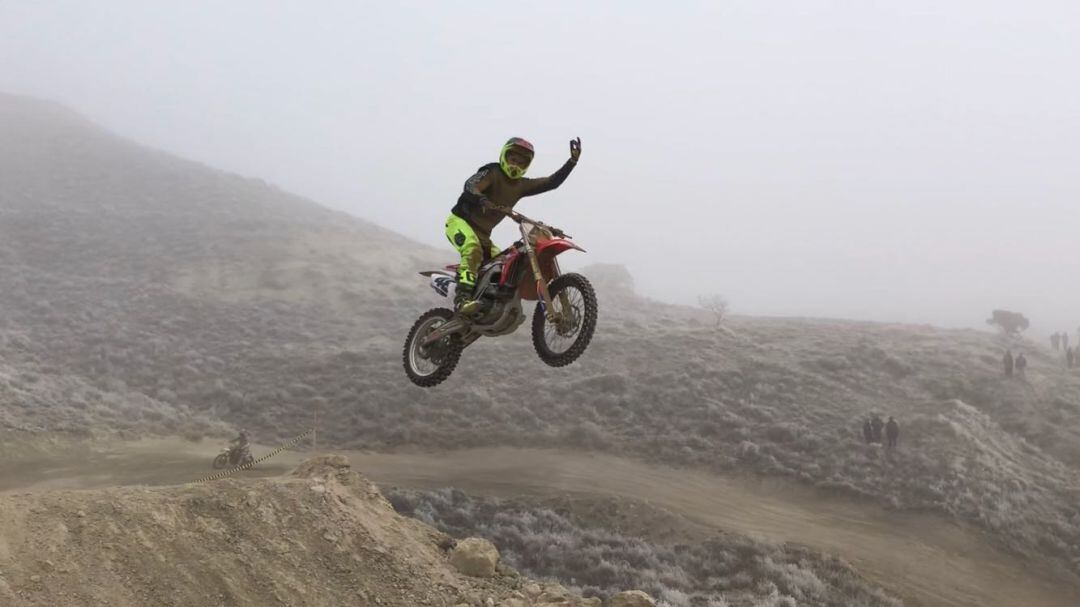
x: 905, y: 161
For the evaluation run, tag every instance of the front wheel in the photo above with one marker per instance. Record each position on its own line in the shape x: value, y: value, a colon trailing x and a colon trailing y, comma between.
x: 561, y: 343
x: 221, y: 461
x: 430, y: 365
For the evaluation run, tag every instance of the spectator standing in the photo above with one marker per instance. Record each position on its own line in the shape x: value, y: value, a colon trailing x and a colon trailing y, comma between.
x: 892, y: 432
x: 875, y: 426
x: 1021, y: 364
x: 1008, y: 362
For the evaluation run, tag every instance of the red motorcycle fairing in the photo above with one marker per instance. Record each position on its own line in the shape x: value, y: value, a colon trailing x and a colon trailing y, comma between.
x: 508, y: 266
x: 546, y: 250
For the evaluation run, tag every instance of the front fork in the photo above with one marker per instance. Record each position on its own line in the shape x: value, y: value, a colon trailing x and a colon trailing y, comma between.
x: 553, y: 316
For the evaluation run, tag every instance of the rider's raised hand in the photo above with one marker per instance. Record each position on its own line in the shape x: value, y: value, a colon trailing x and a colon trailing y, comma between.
x: 575, y: 149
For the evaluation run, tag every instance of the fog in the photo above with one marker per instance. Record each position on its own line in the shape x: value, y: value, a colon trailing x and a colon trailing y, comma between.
x: 902, y: 161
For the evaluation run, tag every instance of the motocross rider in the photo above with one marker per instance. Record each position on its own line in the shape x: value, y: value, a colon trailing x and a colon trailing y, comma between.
x: 494, y: 186
x: 239, y: 444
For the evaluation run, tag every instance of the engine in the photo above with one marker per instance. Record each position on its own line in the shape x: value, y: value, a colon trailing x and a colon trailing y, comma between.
x: 499, y: 315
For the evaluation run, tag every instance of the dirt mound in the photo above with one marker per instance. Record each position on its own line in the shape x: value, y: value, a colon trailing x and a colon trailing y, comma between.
x: 324, y: 536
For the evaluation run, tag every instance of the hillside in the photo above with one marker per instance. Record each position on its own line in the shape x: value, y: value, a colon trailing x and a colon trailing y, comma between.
x: 210, y: 297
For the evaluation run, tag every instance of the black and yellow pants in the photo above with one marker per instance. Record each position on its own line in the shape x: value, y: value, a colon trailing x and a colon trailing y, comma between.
x: 473, y: 246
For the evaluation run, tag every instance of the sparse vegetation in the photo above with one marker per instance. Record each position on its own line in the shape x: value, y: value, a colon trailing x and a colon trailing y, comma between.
x: 67, y: 403
x: 720, y: 570
x: 715, y: 305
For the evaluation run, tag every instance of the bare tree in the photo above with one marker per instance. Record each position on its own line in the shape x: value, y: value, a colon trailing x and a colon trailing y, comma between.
x: 716, y: 304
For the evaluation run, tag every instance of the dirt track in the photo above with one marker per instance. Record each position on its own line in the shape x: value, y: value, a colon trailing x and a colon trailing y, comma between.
x: 924, y: 558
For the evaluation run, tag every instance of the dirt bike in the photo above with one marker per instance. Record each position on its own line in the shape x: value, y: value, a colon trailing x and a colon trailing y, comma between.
x: 233, y: 456
x: 562, y: 323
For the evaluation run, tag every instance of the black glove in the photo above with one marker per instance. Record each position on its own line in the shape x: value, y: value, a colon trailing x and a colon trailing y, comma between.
x: 575, y: 149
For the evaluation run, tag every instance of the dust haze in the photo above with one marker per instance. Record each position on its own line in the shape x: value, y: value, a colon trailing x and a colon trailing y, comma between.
x: 888, y: 161
x: 170, y: 319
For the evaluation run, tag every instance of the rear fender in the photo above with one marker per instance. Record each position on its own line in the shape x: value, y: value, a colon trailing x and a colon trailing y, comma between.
x: 449, y: 271
x: 441, y: 281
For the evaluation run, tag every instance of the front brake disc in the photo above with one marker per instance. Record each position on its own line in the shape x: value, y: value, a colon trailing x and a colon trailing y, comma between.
x: 568, y: 326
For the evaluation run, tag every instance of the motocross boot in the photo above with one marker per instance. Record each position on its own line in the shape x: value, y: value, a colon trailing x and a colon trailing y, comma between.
x: 464, y: 303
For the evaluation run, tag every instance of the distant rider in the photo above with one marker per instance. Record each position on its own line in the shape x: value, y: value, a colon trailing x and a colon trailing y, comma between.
x: 239, y: 445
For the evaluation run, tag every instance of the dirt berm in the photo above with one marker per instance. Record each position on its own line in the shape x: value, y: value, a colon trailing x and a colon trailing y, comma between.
x: 324, y: 536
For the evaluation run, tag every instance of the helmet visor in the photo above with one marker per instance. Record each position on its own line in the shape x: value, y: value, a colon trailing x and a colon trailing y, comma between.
x: 519, y: 157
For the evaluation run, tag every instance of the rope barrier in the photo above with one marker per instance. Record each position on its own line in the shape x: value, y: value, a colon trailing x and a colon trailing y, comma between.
x: 283, y: 446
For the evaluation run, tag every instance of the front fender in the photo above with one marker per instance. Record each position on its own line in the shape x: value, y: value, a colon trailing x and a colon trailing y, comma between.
x: 545, y: 254
x: 555, y: 246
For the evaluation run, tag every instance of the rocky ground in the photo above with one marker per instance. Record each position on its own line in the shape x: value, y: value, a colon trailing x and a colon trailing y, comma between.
x: 323, y: 536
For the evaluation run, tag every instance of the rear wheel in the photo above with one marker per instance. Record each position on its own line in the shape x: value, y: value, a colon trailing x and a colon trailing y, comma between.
x: 559, y: 344
x: 430, y: 365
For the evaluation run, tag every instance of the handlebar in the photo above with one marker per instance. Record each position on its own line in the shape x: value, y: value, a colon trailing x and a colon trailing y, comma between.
x: 519, y: 218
